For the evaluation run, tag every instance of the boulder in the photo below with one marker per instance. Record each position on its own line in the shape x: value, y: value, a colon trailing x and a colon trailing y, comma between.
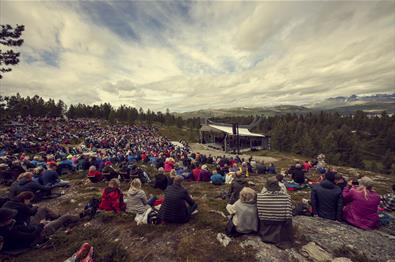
x: 315, y: 253
x: 342, y: 240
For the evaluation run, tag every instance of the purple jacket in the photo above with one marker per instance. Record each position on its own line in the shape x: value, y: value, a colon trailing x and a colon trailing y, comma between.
x: 358, y: 210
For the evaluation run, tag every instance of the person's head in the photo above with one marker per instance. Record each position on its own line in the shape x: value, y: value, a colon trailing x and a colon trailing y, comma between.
x: 161, y: 170
x: 279, y: 178
x: 114, y: 183
x: 178, y: 180
x: 25, y: 197
x: 238, y: 174
x: 92, y: 168
x: 26, y: 176
x: 366, y: 182
x: 136, y: 183
x: 204, y: 167
x: 38, y: 170
x: 272, y: 184
x: 247, y: 195
x: 330, y: 176
x: 52, y: 166
x: 298, y: 165
x: 6, y: 216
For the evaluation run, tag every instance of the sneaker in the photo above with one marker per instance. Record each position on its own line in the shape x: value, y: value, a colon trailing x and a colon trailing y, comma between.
x: 195, y: 212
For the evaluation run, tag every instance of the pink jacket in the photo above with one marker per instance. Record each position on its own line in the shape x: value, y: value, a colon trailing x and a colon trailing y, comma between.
x: 359, y: 211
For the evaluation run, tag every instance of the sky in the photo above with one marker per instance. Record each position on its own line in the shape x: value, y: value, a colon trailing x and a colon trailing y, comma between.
x: 187, y: 56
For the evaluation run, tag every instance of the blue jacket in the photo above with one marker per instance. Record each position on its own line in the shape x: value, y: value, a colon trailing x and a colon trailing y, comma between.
x: 217, y: 179
x: 49, y: 177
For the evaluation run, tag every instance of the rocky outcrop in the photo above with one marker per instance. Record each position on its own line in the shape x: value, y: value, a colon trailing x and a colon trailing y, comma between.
x: 343, y: 240
x: 325, y: 240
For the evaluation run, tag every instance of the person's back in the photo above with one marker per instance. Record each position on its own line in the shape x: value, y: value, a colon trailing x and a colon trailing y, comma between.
x: 24, y: 184
x: 298, y: 175
x: 217, y: 179
x: 235, y: 188
x: 49, y: 177
x: 326, y: 200
x: 136, y: 198
x: 275, y: 215
x: 205, y: 175
x: 361, y: 207
x: 247, y: 217
x: 196, y: 173
x: 16, y: 236
x: 174, y: 208
x: 161, y: 181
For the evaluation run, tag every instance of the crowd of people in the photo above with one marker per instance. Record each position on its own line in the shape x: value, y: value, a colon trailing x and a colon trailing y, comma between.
x: 35, y: 152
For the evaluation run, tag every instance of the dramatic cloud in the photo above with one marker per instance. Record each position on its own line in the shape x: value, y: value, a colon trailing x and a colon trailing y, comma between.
x: 195, y: 55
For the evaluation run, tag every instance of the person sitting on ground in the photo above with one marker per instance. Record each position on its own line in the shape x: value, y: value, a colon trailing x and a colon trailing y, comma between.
x: 388, y: 200
x: 16, y: 236
x: 196, y: 171
x: 244, y: 218
x: 31, y: 216
x: 326, y: 198
x: 161, y: 180
x: 94, y: 175
x: 205, y: 174
x: 217, y: 179
x: 260, y: 168
x: 124, y: 171
x: 275, y: 215
x: 361, y: 205
x: 51, y: 177
x: 271, y: 169
x: 108, y: 171
x: 136, y: 198
x: 25, y: 182
x: 178, y: 205
x: 298, y: 174
x: 112, y: 197
x: 237, y: 185
x: 340, y: 181
x: 244, y: 169
x: 229, y: 177
x: 307, y: 166
x: 169, y: 164
x: 37, y: 173
x: 280, y: 179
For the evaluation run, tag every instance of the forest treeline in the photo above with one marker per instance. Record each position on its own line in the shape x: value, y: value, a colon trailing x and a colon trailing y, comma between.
x: 353, y: 140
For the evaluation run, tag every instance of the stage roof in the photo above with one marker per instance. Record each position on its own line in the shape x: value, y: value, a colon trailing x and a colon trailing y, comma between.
x: 228, y: 130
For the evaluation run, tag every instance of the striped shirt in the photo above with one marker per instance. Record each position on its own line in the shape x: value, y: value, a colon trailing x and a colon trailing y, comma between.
x: 274, y: 206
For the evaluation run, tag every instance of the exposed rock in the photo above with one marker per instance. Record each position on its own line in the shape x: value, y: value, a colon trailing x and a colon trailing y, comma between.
x: 342, y: 259
x: 343, y: 240
x: 223, y: 239
x: 315, y: 253
x: 271, y: 253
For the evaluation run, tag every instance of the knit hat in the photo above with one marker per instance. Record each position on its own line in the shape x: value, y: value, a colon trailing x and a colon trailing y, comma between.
x: 366, y: 181
x: 6, y: 214
x: 272, y: 184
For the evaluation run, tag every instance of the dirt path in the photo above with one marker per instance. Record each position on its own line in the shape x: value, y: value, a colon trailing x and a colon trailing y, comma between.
x: 206, y: 150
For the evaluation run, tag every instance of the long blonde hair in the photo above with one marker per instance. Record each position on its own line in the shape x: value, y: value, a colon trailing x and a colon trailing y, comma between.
x: 366, y: 186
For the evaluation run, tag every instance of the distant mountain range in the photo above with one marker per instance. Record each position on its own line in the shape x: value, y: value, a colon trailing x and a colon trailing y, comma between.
x: 344, y: 105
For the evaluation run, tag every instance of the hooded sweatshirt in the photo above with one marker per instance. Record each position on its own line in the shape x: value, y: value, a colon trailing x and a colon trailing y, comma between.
x: 136, y: 201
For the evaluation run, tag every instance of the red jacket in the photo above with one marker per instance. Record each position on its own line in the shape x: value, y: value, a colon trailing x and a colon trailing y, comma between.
x: 94, y: 174
x: 169, y: 165
x: 112, y: 200
x: 196, y: 173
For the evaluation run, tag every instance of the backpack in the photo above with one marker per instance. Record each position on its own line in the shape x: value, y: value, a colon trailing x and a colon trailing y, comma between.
x: 153, y: 217
x: 91, y: 208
